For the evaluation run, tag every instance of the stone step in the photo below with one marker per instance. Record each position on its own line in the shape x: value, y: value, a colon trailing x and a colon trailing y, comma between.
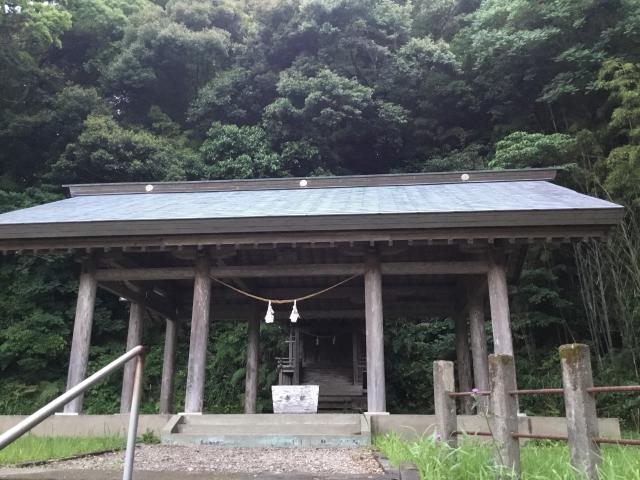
x: 271, y: 441
x: 271, y: 419
x: 269, y: 430
x: 287, y: 429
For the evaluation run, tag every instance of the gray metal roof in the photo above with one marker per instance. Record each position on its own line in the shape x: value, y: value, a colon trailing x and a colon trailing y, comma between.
x: 463, y: 204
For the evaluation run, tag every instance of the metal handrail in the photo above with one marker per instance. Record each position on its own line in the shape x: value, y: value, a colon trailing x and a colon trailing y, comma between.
x: 50, y: 408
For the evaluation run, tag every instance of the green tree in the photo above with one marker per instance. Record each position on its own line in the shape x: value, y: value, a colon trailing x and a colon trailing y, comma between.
x: 230, y: 151
x: 107, y: 152
x: 169, y: 53
x: 523, y: 150
x: 622, y: 80
x: 338, y: 116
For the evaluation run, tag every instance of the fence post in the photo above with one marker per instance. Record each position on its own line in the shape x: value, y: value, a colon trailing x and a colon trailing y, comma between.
x: 502, y: 378
x: 580, y: 406
x: 445, y: 406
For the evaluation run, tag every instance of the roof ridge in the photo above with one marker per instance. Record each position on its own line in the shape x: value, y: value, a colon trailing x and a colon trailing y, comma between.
x: 294, y: 183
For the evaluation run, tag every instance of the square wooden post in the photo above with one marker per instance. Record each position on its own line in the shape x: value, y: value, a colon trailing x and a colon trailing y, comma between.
x: 580, y: 406
x: 199, y: 337
x: 251, y: 378
x: 463, y: 360
x: 475, y: 300
x: 82, y: 332
x: 445, y: 405
x: 502, y: 374
x: 376, y: 400
x: 168, y: 367
x: 134, y: 338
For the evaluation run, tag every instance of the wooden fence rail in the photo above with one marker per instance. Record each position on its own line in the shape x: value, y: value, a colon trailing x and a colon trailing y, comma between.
x: 579, y: 398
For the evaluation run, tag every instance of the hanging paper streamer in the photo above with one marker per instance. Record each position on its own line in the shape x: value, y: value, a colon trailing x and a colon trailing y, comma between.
x: 294, y: 313
x: 268, y: 318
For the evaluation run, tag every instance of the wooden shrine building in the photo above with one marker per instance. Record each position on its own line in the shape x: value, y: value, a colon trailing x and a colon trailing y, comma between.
x: 415, y: 245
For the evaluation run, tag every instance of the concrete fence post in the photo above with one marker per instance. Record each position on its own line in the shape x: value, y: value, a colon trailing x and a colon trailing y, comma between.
x: 445, y: 406
x: 502, y: 379
x: 580, y: 406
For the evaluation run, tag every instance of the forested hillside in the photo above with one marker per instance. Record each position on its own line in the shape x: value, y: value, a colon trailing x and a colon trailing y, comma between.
x: 128, y: 90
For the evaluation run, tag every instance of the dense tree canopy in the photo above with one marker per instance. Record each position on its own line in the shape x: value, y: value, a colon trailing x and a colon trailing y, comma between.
x: 142, y: 90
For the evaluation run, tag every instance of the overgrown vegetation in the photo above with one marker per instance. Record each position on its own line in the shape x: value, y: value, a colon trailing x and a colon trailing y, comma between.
x: 150, y: 90
x: 474, y: 460
x: 35, y: 449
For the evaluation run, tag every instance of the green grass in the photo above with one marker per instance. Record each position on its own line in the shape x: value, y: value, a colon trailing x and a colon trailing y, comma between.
x: 33, y: 449
x: 473, y: 460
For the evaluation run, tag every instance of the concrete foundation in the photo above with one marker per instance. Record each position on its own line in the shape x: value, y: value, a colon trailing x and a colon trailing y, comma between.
x: 413, y: 427
x: 88, y: 425
x: 409, y: 427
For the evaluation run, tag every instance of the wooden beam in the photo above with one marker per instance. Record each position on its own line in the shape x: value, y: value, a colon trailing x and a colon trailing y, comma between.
x: 82, y: 332
x: 237, y: 313
x: 168, y: 367
x: 199, y: 337
x: 344, y: 292
x: 154, y: 302
x: 555, y: 233
x: 473, y: 267
x: 301, y: 270
x: 145, y: 274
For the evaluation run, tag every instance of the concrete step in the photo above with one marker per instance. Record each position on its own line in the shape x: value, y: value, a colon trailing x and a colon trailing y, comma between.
x: 271, y: 419
x: 270, y: 441
x: 290, y: 429
x: 269, y: 430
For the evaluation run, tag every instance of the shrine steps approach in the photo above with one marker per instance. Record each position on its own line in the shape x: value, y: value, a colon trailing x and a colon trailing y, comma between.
x: 269, y: 430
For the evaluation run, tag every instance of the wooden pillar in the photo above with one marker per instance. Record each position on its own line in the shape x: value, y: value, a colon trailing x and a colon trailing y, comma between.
x: 134, y: 338
x: 479, y: 346
x: 199, y: 337
x: 354, y: 353
x: 168, y: 367
x: 251, y: 379
x: 499, y: 303
x: 376, y: 401
x: 463, y: 357
x: 82, y: 332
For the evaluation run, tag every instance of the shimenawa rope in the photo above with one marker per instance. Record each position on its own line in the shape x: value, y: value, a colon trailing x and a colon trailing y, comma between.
x: 283, y: 300
x: 269, y: 317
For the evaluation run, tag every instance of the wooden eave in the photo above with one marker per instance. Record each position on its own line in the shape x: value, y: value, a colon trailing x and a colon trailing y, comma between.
x: 524, y: 222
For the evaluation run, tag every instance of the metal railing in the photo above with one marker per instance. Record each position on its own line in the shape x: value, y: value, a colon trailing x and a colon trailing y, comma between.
x: 49, y: 409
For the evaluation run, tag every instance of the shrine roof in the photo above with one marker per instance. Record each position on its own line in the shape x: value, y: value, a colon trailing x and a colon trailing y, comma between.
x: 473, y: 199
